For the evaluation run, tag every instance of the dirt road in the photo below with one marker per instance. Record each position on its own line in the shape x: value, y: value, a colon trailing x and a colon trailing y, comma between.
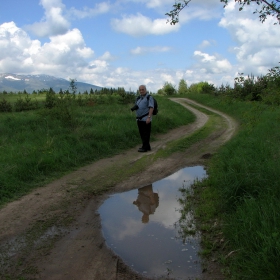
x: 35, y: 244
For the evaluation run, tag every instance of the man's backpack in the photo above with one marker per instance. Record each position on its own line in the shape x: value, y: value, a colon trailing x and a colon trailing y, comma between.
x: 155, y: 105
x: 155, y: 111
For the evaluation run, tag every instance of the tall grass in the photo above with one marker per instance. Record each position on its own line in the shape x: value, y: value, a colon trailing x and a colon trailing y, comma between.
x: 37, y: 146
x: 245, y: 177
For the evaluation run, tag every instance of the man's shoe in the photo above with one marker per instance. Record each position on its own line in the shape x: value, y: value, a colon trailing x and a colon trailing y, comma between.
x: 141, y: 150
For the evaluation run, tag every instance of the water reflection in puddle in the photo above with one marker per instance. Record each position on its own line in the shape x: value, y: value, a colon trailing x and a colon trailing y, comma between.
x: 139, y: 226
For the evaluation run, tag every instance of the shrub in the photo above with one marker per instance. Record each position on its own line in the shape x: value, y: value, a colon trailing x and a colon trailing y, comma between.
x: 50, y: 99
x: 5, y: 106
x: 25, y: 104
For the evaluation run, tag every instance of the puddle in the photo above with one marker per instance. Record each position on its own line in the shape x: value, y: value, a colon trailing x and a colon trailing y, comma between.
x: 142, y: 227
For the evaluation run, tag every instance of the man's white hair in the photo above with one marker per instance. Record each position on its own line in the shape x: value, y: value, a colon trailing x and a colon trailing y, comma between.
x: 143, y: 86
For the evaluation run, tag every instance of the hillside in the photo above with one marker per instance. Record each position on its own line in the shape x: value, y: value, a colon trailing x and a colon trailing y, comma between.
x: 15, y: 83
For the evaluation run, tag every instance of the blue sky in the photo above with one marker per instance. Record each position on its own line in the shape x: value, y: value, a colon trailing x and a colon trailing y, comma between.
x: 125, y: 43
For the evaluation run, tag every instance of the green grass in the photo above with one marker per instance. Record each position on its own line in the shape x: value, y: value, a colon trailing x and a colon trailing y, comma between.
x: 242, y: 190
x: 186, y: 142
x: 243, y: 178
x: 15, y: 96
x: 40, y: 145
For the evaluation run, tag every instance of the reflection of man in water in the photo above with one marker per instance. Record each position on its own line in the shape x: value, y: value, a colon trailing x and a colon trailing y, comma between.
x: 147, y: 202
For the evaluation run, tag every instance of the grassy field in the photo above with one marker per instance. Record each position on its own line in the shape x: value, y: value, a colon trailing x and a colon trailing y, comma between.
x: 243, y: 191
x: 40, y: 145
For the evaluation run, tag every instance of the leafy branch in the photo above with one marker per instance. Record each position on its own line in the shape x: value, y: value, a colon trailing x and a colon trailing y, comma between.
x: 177, y: 8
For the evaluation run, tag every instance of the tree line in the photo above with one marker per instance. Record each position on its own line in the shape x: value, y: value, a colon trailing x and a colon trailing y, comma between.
x: 247, y: 88
x: 23, y: 101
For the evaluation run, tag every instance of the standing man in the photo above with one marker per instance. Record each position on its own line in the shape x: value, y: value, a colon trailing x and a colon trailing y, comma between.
x: 144, y: 106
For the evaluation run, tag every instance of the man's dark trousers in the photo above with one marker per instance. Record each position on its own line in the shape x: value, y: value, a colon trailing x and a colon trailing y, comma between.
x: 145, y: 132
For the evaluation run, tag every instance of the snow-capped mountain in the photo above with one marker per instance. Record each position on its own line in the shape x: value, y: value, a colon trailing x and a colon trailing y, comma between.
x: 15, y: 83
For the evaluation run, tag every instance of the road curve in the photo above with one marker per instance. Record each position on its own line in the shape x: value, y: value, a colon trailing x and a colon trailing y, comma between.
x: 80, y: 253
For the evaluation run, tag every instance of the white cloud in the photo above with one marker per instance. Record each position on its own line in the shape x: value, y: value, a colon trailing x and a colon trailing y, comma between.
x: 64, y: 52
x: 257, y: 48
x: 257, y: 44
x: 201, y: 10
x: 168, y: 78
x: 100, y: 8
x: 139, y: 25
x: 144, y: 50
x: 158, y: 3
x: 212, y: 63
x: 19, y: 54
x: 53, y: 23
x: 206, y: 43
x: 67, y: 56
x: 153, y: 3
x: 16, y: 48
x: 179, y: 75
x: 167, y: 4
x: 107, y: 56
x: 128, y: 78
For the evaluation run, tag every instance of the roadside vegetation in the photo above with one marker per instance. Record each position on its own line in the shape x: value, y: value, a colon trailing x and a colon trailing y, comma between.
x: 48, y: 134
x: 237, y: 206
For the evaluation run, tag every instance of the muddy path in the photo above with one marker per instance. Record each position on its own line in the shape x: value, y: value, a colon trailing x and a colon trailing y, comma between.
x: 35, y: 242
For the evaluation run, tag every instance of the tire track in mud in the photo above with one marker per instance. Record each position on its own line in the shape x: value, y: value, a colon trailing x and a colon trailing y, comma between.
x: 81, y: 253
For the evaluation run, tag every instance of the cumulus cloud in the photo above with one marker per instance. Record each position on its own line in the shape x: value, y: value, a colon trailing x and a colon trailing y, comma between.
x: 153, y: 3
x: 65, y: 49
x: 144, y: 50
x: 199, y: 10
x: 130, y: 79
x: 99, y: 66
x: 67, y: 55
x: 168, y: 77
x: 257, y: 44
x: 100, y: 8
x: 107, y: 56
x: 140, y: 25
x: 169, y: 3
x: 53, y: 23
x: 199, y: 13
x: 16, y: 48
x: 20, y: 54
x: 206, y: 43
x: 211, y: 63
x: 211, y: 68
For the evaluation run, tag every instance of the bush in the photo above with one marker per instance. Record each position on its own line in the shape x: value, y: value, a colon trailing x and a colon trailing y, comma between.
x: 25, y: 104
x: 208, y: 88
x: 5, y: 106
x: 198, y: 87
x: 50, y: 99
x: 169, y: 89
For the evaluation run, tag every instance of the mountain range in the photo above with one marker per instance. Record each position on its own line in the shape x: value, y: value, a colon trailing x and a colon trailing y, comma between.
x: 15, y: 83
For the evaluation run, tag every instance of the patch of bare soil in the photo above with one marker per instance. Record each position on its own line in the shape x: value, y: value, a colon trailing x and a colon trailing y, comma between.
x: 80, y: 251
